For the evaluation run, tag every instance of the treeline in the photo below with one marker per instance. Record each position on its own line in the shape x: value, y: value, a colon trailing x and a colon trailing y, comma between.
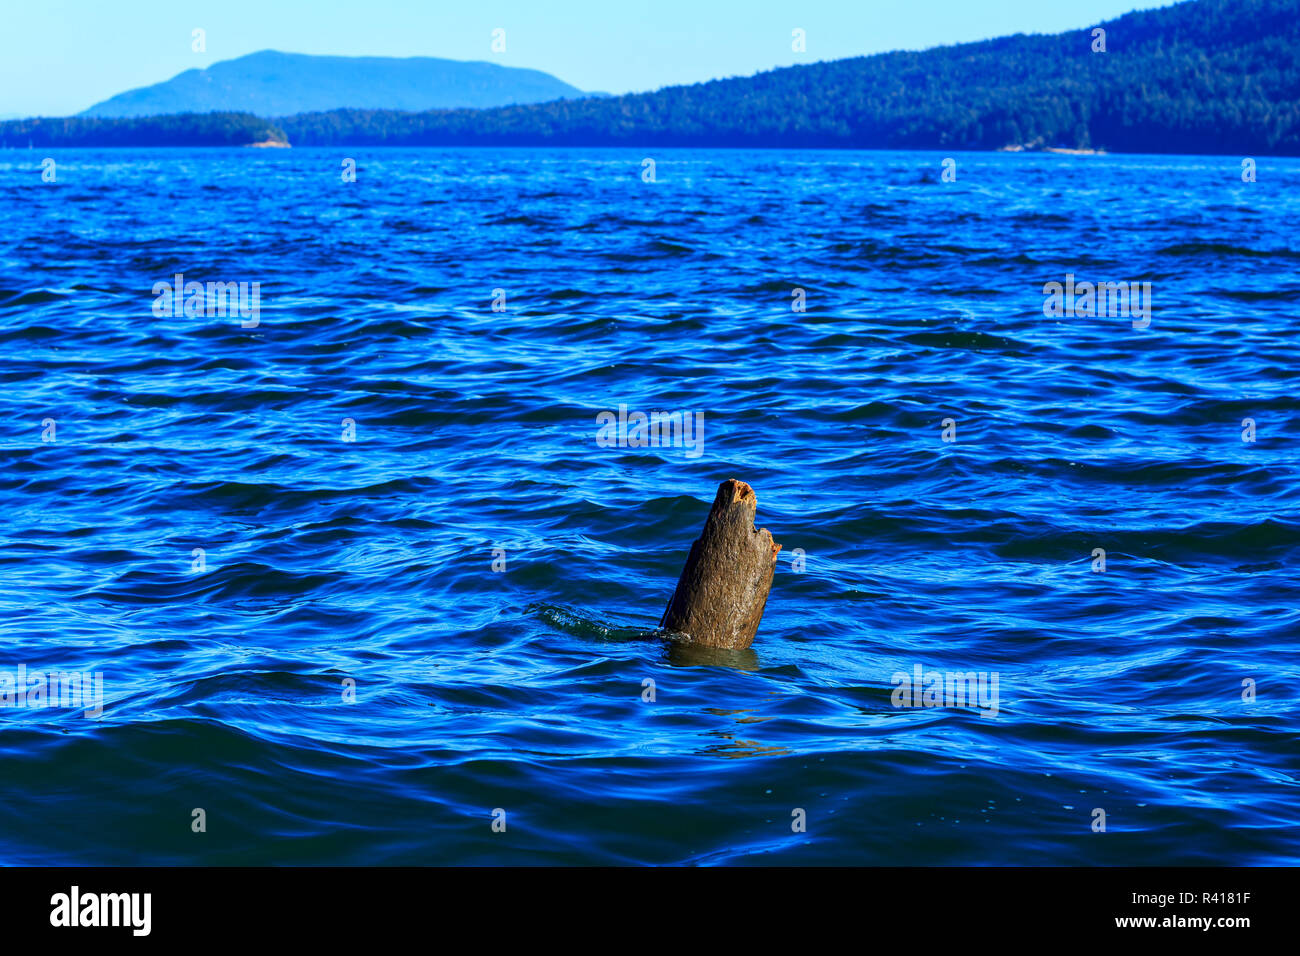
x: 1211, y: 76
x: 183, y: 129
x: 1208, y: 76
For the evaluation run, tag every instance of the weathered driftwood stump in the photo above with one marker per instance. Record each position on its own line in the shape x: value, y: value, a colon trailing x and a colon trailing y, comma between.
x: 723, y: 588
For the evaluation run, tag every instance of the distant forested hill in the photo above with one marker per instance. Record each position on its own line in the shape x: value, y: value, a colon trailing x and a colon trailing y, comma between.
x: 271, y: 83
x: 1202, y: 76
x: 1212, y: 76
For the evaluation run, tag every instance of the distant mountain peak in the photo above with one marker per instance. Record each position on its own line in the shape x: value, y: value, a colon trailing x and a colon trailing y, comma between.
x: 273, y: 83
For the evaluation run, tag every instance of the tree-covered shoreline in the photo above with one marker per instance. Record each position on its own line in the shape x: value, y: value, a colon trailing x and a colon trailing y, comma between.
x: 181, y: 129
x: 1205, y: 76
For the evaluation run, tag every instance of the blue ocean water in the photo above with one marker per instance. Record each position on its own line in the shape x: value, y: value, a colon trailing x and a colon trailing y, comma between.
x: 359, y: 579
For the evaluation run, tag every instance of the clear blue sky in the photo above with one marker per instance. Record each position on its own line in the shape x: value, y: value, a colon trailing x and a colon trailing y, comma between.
x: 60, y: 56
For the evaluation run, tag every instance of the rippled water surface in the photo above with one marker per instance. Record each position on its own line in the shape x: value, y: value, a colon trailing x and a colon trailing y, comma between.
x: 331, y: 567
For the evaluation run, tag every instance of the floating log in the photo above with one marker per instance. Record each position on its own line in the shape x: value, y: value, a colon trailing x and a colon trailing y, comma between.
x: 722, y: 591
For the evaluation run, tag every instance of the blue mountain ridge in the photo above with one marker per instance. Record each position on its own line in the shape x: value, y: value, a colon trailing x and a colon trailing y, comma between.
x: 271, y: 83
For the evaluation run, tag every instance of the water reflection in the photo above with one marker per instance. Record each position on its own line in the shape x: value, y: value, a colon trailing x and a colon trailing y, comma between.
x: 732, y: 746
x: 695, y: 655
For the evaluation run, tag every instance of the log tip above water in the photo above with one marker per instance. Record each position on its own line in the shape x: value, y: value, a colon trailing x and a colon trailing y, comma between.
x: 723, y: 588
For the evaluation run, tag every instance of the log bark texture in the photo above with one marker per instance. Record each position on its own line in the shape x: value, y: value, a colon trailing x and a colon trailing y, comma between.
x: 722, y: 591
